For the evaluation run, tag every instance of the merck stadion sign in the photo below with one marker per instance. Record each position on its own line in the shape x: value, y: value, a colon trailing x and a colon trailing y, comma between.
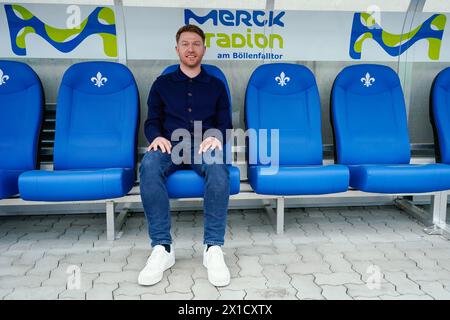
x: 240, y: 34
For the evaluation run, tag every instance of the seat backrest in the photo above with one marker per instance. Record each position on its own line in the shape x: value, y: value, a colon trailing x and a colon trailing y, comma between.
x: 440, y: 115
x: 211, y: 70
x: 21, y: 109
x: 368, y: 116
x: 96, y: 117
x: 284, y: 96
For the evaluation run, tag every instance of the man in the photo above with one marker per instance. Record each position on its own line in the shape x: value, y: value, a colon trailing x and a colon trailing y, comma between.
x: 176, y: 101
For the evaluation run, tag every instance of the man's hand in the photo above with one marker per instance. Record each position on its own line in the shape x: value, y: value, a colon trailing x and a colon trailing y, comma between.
x: 162, y: 143
x: 209, y: 143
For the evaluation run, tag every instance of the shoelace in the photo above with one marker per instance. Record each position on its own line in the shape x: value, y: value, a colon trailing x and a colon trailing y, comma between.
x: 156, y: 255
x: 216, y: 258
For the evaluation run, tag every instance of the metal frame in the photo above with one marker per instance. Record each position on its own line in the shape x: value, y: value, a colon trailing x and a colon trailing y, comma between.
x: 273, y: 204
x: 439, y: 224
x: 277, y: 217
x: 120, y: 32
x: 405, y: 67
x: 435, y: 218
x: 113, y: 223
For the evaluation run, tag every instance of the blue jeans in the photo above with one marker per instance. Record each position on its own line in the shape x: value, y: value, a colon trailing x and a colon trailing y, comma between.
x: 156, y: 166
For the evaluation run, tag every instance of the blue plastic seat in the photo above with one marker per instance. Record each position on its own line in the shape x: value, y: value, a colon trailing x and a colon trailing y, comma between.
x: 440, y: 115
x: 21, y: 109
x: 371, y: 134
x: 187, y: 183
x: 97, y: 119
x: 285, y: 97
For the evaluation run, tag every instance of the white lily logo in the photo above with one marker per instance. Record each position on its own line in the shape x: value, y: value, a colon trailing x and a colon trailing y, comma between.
x: 3, y: 77
x: 99, y: 80
x: 282, y: 79
x: 367, y: 80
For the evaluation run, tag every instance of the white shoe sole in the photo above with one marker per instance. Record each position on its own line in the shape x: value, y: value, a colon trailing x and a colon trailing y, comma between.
x: 219, y: 283
x: 156, y: 279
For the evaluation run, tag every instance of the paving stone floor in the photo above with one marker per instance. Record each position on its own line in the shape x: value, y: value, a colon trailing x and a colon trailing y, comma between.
x: 325, y: 253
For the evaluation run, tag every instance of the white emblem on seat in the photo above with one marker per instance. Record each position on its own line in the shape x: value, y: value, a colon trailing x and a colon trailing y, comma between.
x: 282, y: 79
x: 99, y: 80
x: 3, y: 77
x: 367, y: 80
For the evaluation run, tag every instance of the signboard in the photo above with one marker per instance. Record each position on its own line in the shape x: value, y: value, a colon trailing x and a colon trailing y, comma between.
x: 60, y: 31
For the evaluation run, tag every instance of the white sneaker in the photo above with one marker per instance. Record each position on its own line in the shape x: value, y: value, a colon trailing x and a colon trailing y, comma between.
x: 218, y: 273
x: 159, y: 261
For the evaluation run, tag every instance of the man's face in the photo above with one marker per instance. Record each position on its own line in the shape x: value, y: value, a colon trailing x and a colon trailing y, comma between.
x: 190, y: 49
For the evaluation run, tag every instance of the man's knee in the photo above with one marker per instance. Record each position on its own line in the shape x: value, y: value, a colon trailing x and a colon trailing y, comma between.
x: 217, y: 172
x: 152, y: 163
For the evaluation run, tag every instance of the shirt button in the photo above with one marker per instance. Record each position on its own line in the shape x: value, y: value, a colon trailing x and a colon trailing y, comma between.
x: 189, y: 109
x: 190, y: 80
x: 189, y: 94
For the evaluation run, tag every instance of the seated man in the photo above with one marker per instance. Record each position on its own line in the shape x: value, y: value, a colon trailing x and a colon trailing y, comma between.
x: 179, y: 101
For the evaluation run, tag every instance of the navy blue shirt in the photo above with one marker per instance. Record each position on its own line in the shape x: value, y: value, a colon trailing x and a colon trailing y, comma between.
x: 176, y: 101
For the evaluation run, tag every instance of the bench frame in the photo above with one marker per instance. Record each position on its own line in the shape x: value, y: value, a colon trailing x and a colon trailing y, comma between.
x: 434, y: 219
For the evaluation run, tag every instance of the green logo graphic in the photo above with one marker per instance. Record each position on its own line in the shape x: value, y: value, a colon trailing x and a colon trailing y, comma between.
x: 22, y: 22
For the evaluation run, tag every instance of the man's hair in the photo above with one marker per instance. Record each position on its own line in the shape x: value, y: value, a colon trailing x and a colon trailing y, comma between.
x: 190, y: 28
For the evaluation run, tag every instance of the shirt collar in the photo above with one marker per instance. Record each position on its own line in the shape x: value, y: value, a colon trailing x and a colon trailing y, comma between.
x: 203, y: 76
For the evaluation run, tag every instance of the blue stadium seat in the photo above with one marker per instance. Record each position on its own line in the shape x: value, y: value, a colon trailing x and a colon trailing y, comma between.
x: 97, y: 119
x: 440, y: 115
x: 21, y: 109
x: 187, y: 183
x: 285, y: 97
x: 371, y: 134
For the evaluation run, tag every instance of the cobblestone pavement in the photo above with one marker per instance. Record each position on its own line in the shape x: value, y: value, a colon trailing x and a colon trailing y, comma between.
x: 325, y: 253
